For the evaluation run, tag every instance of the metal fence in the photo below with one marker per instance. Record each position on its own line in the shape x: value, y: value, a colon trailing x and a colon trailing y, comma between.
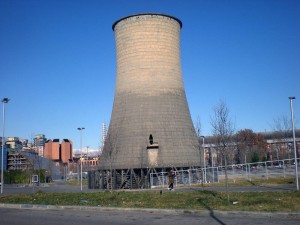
x: 235, y: 172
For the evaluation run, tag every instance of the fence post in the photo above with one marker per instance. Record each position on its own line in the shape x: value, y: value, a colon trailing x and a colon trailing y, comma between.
x: 205, y: 181
x: 248, y: 165
x: 283, y: 166
x: 189, y: 171
x: 233, y: 174
x: 266, y: 166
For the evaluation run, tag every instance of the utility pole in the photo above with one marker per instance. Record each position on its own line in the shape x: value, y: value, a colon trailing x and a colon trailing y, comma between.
x: 4, y: 101
x: 294, y: 140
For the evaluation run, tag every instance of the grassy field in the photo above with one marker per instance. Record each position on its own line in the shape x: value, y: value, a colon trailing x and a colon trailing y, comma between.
x: 287, y: 201
x: 256, y: 181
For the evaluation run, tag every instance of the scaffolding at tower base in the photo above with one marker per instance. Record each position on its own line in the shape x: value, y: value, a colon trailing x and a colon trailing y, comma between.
x: 146, y: 178
x: 189, y: 176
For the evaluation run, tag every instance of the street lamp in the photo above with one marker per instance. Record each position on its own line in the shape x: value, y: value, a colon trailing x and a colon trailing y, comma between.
x: 294, y: 140
x: 4, y: 100
x: 204, y: 163
x: 80, y: 129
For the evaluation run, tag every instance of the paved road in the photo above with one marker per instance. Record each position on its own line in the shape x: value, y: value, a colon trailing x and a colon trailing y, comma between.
x: 79, y: 217
x: 56, y: 186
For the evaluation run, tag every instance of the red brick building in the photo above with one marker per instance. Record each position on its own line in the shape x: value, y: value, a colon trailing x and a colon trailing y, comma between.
x: 58, y: 152
x: 48, y: 149
x: 55, y: 149
x: 66, y: 150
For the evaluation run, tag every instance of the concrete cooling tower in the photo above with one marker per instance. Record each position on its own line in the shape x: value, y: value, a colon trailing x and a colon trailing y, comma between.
x: 150, y: 126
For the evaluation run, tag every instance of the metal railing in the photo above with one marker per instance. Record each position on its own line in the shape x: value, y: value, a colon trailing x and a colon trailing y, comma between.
x: 246, y: 171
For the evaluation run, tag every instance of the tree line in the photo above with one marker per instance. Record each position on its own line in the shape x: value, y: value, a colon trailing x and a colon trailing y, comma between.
x: 244, y: 146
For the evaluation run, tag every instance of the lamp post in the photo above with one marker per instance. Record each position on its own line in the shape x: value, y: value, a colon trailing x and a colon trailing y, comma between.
x: 294, y: 140
x: 204, y: 163
x: 4, y: 100
x: 80, y: 129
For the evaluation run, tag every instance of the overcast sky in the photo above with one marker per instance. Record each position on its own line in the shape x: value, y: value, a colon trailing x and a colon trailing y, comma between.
x: 58, y: 62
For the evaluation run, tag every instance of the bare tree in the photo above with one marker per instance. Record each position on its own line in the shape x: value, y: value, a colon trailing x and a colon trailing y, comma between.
x: 283, y: 132
x: 198, y: 126
x: 282, y: 123
x: 109, y: 155
x: 198, y: 129
x: 223, y: 131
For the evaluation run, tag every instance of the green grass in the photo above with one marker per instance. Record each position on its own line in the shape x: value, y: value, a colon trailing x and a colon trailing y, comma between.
x: 77, y: 182
x: 274, y: 201
x: 254, y: 181
x: 286, y: 201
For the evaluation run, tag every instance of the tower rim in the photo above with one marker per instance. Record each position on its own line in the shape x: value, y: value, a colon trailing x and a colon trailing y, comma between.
x: 144, y: 14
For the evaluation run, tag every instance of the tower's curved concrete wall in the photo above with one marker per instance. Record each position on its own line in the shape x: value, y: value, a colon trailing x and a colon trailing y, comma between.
x: 149, y: 97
